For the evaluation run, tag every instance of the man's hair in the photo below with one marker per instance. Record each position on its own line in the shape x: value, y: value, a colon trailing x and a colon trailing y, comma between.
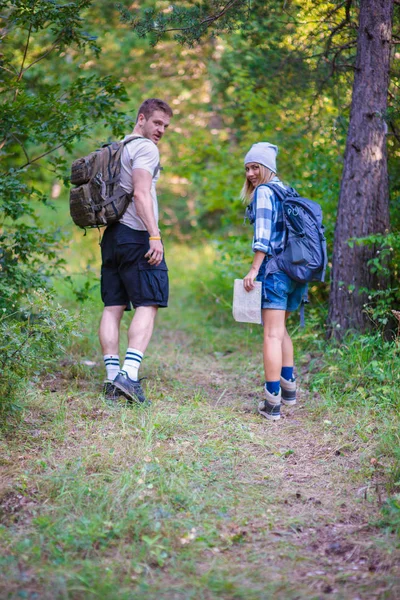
x: 149, y: 106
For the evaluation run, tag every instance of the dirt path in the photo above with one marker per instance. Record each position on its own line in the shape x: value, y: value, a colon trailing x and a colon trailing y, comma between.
x: 225, y: 504
x: 324, y: 535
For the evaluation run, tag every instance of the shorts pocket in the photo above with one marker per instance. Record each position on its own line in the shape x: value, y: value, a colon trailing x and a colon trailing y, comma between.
x: 154, y: 285
x: 281, y: 284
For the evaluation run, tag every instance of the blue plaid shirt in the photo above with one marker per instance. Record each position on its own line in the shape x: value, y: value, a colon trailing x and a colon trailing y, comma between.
x: 267, y: 215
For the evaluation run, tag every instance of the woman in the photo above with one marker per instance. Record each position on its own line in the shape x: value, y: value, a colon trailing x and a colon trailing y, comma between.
x: 280, y: 294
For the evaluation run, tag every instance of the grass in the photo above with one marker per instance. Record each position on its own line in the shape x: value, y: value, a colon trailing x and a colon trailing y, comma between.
x: 181, y: 500
x: 166, y: 501
x: 197, y: 497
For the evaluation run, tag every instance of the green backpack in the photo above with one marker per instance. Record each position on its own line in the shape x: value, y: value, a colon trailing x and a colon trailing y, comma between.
x: 98, y: 199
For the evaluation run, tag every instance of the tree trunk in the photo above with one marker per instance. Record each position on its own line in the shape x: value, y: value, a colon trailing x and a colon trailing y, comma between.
x: 364, y: 195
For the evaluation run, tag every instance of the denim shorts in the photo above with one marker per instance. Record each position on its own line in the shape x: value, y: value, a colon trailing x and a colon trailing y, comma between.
x: 127, y: 278
x: 279, y: 291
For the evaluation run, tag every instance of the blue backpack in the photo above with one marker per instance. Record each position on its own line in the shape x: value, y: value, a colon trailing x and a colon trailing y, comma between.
x: 304, y: 256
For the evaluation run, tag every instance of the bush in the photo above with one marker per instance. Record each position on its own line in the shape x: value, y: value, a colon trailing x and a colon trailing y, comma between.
x: 43, y: 112
x: 31, y: 339
x: 391, y: 515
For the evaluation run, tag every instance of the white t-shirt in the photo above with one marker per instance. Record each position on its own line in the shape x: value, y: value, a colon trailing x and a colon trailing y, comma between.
x: 139, y: 154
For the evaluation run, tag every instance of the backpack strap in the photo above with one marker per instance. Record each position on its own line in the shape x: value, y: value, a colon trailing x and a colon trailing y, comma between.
x: 117, y: 194
x: 304, y: 301
x: 281, y: 192
x: 132, y: 138
x: 325, y: 251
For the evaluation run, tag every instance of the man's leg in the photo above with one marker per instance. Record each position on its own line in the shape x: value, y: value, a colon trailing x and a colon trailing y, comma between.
x: 139, y: 335
x: 141, y: 327
x: 109, y: 341
x: 109, y: 329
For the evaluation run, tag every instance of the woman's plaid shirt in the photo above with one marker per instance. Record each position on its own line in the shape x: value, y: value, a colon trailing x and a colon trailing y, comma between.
x: 269, y: 226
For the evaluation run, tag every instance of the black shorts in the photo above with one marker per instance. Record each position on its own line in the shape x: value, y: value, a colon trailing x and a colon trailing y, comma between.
x: 126, y: 276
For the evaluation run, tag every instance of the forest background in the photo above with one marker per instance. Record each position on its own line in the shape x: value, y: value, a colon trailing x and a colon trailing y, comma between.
x: 72, y: 78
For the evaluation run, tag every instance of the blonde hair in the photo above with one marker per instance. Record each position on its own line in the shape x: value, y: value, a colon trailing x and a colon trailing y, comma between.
x: 248, y: 188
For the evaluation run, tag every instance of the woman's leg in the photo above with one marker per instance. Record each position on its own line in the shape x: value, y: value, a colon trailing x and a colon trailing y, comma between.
x: 274, y: 334
x: 277, y: 343
x: 287, y: 347
x: 288, y: 384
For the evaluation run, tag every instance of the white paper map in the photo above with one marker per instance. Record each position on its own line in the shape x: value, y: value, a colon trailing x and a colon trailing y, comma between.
x: 246, y: 305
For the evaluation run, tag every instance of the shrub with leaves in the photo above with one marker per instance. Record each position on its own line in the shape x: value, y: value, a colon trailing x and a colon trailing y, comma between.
x: 385, y: 264
x: 31, y: 340
x: 48, y: 102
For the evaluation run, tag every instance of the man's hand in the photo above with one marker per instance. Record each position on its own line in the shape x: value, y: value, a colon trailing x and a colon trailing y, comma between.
x: 155, y: 253
x: 248, y: 281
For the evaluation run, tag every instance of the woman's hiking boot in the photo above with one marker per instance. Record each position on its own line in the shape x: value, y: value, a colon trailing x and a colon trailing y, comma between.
x: 270, y: 408
x: 288, y: 390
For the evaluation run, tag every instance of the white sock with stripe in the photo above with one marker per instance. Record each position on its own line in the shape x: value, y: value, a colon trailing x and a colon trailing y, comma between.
x: 111, y: 362
x: 133, y: 358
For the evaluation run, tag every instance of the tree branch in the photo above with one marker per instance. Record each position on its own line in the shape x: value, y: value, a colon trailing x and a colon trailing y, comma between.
x: 8, y: 70
x: 25, y: 53
x: 30, y: 162
x: 340, y: 26
x: 208, y: 21
x: 33, y: 160
x: 52, y: 47
x: 22, y: 146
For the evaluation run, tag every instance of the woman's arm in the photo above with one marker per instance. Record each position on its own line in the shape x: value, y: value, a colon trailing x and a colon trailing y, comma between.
x: 262, y: 234
x: 248, y: 281
x: 263, y: 220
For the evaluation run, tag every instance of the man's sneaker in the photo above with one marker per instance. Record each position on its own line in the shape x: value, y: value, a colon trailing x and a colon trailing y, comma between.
x: 110, y: 392
x: 132, y: 390
x: 288, y: 389
x: 271, y: 407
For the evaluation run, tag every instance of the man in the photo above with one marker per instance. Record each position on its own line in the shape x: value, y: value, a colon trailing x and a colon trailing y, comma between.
x: 133, y: 270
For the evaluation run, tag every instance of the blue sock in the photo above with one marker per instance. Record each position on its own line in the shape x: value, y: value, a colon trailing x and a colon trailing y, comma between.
x: 287, y: 373
x: 273, y: 387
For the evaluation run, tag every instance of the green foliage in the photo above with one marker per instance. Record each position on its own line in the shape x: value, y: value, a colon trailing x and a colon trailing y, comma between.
x: 391, y: 514
x: 282, y: 73
x: 31, y: 340
x: 358, y: 382
x: 386, y: 264
x: 188, y: 23
x: 28, y: 258
x: 47, y: 104
x: 349, y: 366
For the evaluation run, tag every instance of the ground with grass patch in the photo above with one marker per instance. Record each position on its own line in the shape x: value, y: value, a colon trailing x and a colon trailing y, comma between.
x: 196, y: 497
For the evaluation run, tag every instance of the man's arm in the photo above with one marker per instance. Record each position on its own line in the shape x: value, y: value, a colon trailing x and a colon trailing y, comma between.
x: 143, y: 200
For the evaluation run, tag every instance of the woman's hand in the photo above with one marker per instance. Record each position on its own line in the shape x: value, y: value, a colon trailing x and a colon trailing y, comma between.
x: 248, y: 281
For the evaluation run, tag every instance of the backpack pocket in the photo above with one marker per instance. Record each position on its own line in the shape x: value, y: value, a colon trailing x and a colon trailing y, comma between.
x: 85, y: 205
x: 81, y: 169
x: 297, y: 251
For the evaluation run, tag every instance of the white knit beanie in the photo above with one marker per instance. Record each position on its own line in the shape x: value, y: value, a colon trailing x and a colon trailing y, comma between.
x: 264, y: 154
